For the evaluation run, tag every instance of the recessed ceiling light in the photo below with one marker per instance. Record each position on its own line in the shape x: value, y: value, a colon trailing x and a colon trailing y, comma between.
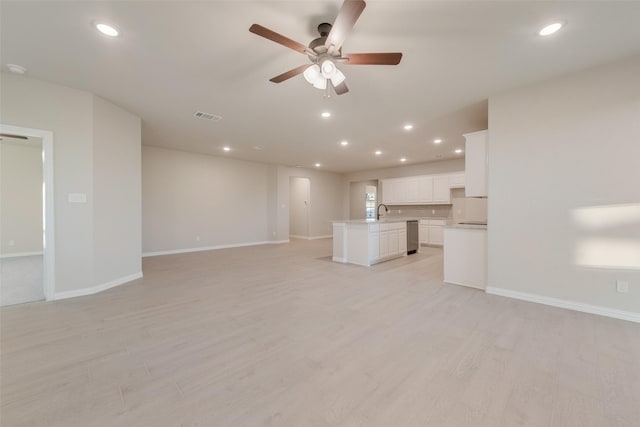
x: 378, y: 152
x: 551, y: 28
x: 403, y: 159
x: 258, y: 147
x: 318, y: 165
x: 437, y: 141
x: 106, y: 29
x: 344, y: 143
x: 408, y: 126
x: 226, y: 148
x: 458, y: 150
x: 16, y: 69
x: 326, y: 114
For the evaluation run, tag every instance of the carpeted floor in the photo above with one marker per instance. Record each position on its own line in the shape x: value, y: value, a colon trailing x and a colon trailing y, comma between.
x: 21, y: 280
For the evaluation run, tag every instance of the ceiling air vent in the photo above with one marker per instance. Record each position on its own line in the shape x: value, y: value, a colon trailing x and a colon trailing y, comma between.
x: 207, y: 116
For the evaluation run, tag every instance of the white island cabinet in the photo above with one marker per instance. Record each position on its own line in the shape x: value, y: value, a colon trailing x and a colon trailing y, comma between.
x: 367, y: 242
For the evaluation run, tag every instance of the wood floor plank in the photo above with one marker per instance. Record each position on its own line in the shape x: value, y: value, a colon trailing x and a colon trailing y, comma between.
x: 278, y: 335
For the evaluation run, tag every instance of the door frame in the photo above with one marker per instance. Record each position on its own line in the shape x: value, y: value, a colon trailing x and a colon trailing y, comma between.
x: 48, y: 205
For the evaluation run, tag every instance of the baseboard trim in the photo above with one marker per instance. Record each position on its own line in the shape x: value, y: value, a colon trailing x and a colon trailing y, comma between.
x: 339, y: 259
x: 449, y: 282
x: 95, y: 289
x: 328, y: 236
x: 212, y: 248
x: 571, y: 305
x: 20, y: 254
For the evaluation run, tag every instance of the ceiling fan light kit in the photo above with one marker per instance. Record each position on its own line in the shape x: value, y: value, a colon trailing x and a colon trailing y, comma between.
x: 325, y: 50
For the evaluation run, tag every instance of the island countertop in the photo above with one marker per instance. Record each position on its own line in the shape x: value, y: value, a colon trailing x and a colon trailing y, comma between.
x: 374, y: 221
x: 467, y: 226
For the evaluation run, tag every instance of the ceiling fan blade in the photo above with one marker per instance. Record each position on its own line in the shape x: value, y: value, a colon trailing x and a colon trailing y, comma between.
x: 341, y: 88
x: 373, y: 58
x: 291, y: 73
x: 279, y: 38
x: 347, y: 17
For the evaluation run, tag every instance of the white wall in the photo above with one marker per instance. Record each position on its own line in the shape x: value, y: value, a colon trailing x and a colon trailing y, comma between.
x: 186, y: 195
x: 20, y: 198
x: 326, y: 201
x: 564, y: 187
x: 71, y: 116
x: 226, y: 202
x: 117, y: 227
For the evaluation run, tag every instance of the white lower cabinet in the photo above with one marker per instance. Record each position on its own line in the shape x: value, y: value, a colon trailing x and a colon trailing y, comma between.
x: 402, y: 241
x: 374, y: 245
x: 393, y: 239
x: 436, y: 232
x: 384, y: 244
x: 423, y: 230
x: 432, y: 231
x: 394, y: 244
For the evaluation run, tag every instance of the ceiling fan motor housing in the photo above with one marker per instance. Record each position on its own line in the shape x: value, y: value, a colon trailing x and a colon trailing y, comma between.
x: 319, y: 45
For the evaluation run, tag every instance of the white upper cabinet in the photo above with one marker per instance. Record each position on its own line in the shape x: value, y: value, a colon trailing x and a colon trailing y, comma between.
x: 412, y: 188
x: 441, y: 189
x: 421, y: 190
x: 456, y: 180
x: 425, y: 189
x: 398, y: 191
x: 475, y: 164
x: 386, y: 191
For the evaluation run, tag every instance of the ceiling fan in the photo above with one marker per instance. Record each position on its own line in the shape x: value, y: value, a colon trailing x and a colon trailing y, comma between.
x: 326, y: 50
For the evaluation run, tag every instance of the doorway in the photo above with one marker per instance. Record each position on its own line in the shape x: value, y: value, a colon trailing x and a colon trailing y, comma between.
x: 26, y: 212
x: 299, y: 205
x: 363, y: 199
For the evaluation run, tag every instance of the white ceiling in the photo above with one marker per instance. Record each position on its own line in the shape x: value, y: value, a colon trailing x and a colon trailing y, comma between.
x: 174, y: 58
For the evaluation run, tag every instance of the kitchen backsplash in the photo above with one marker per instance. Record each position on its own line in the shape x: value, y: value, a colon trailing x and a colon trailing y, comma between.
x: 422, y: 211
x: 461, y: 209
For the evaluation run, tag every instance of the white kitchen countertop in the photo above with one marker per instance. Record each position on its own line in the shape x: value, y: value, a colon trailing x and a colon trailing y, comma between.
x: 467, y: 226
x: 373, y: 221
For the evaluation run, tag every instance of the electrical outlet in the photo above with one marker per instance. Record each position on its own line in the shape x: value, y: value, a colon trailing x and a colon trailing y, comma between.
x: 12, y: 243
x: 433, y: 211
x: 622, y: 286
x: 197, y: 238
x: 273, y: 234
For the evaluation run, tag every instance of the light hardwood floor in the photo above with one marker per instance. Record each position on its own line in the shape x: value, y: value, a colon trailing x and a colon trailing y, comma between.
x: 281, y: 336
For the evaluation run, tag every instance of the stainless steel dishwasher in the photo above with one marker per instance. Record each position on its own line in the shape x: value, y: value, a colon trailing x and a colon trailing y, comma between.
x: 412, y: 237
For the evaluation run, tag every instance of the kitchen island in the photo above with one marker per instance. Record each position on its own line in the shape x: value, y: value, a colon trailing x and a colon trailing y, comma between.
x: 368, y: 242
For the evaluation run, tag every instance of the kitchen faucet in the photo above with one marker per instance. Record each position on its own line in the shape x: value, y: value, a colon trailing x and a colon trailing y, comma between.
x: 386, y: 209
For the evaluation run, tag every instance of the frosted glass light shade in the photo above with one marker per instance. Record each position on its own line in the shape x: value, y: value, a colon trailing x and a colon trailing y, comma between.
x: 328, y: 69
x: 338, y: 77
x: 320, y: 83
x: 312, y: 74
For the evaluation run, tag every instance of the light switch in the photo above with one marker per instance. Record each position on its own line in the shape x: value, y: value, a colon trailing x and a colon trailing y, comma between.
x: 77, y: 198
